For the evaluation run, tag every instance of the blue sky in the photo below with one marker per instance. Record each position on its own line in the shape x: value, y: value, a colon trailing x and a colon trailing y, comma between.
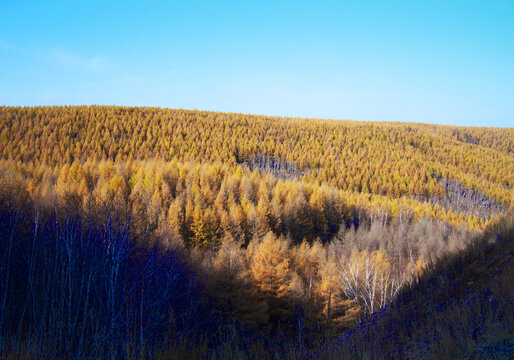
x: 447, y: 62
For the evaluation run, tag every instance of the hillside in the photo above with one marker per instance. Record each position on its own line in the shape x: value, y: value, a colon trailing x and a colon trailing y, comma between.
x: 461, y: 308
x: 212, y: 234
x: 394, y: 160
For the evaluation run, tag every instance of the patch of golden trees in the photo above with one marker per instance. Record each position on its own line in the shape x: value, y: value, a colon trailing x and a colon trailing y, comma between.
x: 266, y: 247
x: 391, y: 159
x: 338, y: 241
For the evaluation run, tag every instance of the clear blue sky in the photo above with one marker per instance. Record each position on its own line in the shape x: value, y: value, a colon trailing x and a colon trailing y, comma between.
x: 448, y: 62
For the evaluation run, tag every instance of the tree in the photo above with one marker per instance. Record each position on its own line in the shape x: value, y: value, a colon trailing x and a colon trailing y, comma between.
x: 232, y: 284
x: 177, y: 216
x: 337, y: 309
x: 204, y: 227
x: 270, y: 269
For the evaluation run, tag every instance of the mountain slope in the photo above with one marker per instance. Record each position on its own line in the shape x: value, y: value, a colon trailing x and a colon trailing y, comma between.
x: 462, y: 307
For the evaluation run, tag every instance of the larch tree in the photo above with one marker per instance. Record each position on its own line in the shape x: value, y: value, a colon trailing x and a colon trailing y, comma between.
x: 270, y: 268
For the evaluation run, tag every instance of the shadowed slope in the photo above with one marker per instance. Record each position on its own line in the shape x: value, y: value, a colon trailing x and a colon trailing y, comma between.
x: 461, y: 308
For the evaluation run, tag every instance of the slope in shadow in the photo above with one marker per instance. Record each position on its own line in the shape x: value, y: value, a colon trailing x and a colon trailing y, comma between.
x: 462, y: 307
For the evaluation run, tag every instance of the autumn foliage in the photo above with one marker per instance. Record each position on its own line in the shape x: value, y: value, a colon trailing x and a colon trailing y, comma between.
x: 283, y: 221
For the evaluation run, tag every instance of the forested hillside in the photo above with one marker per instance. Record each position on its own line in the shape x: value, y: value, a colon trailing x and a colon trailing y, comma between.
x: 389, y: 159
x: 284, y: 228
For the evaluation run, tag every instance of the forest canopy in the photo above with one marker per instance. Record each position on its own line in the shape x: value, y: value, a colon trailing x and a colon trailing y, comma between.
x: 381, y: 162
x: 278, y: 219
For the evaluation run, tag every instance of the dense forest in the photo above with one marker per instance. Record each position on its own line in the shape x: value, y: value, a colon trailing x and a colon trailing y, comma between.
x: 158, y: 233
